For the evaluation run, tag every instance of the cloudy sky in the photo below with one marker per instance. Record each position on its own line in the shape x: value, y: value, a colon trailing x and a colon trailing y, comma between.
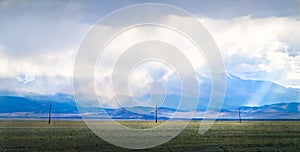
x: 39, y: 40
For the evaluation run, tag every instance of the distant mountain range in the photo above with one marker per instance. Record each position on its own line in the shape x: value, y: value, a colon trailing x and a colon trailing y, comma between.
x: 38, y: 108
x: 241, y: 92
x: 274, y: 102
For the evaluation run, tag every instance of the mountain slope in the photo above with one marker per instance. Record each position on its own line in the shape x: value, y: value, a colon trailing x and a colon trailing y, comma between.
x: 238, y: 93
x: 241, y: 92
x: 23, y: 107
x: 37, y: 104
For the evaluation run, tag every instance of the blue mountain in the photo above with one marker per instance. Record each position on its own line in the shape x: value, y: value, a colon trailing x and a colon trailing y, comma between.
x: 272, y: 100
x: 61, y: 103
x: 241, y: 92
x: 22, y: 107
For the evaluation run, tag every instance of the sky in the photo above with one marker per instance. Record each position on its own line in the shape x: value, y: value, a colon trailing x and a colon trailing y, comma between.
x: 258, y: 40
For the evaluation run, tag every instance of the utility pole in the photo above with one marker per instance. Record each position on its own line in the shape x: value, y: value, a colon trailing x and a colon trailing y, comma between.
x: 240, y: 116
x: 50, y: 109
x: 156, y: 114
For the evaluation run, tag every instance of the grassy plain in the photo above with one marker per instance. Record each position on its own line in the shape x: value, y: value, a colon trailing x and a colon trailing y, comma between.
x: 222, y: 136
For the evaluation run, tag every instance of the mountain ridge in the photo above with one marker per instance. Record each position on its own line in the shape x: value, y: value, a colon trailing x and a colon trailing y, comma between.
x: 239, y: 92
x: 31, y: 108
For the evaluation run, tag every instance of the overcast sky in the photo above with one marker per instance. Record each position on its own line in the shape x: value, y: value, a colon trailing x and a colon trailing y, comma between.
x: 39, y: 39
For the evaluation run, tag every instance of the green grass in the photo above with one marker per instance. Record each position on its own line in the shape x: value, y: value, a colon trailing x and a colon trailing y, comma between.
x: 222, y: 136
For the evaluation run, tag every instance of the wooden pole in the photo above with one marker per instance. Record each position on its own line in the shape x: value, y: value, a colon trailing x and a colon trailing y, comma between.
x: 50, y: 109
x: 156, y: 114
x: 240, y: 116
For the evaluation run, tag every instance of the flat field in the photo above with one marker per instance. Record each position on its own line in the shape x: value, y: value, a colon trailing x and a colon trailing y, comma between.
x: 222, y: 136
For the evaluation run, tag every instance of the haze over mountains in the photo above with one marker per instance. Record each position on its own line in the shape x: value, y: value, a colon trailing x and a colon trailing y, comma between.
x: 272, y: 102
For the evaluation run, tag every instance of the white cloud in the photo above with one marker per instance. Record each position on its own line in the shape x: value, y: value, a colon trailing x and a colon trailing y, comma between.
x: 263, y: 48
x: 150, y: 72
x: 47, y: 64
x: 256, y: 49
x: 43, y: 74
x: 260, y: 48
x: 25, y: 84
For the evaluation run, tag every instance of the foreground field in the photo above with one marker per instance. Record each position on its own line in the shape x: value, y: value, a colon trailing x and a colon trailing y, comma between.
x: 222, y: 136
